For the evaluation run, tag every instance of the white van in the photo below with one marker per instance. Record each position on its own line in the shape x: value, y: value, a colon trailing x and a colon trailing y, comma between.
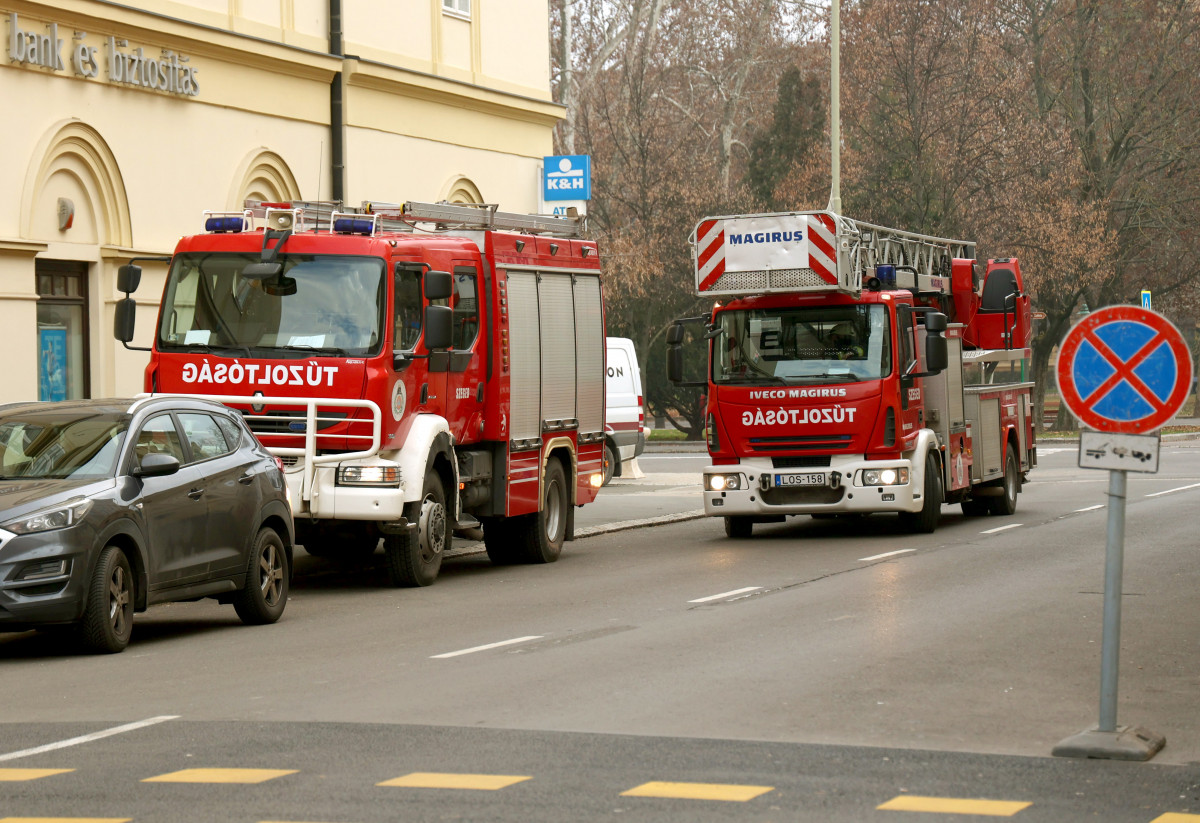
x: 624, y: 418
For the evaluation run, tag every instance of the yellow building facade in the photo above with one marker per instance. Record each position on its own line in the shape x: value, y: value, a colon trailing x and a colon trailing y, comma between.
x: 125, y: 124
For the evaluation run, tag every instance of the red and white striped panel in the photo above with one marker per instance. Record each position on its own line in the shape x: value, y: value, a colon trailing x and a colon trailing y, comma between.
x: 710, y: 254
x: 822, y: 249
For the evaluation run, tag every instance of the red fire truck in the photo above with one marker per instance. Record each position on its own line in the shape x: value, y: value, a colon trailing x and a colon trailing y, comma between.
x: 420, y: 369
x: 855, y: 368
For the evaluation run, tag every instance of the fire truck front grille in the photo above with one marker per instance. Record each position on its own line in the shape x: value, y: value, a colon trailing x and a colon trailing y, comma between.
x: 289, y: 422
x: 753, y: 281
x: 792, y: 495
x: 801, y: 443
x: 816, y: 461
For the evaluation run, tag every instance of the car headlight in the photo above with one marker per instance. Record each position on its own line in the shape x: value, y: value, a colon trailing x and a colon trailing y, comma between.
x: 68, y: 514
x: 723, y: 482
x: 368, y: 476
x: 885, y: 477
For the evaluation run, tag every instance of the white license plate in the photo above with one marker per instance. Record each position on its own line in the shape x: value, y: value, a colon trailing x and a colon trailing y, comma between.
x: 810, y: 479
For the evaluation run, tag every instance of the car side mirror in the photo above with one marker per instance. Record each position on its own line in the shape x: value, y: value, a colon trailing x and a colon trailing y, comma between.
x: 156, y: 465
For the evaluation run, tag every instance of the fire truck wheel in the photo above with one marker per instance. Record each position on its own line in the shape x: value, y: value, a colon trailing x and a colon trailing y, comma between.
x: 1006, y: 503
x: 738, y: 526
x: 610, y: 463
x: 926, y: 520
x: 539, y: 537
x: 414, y: 558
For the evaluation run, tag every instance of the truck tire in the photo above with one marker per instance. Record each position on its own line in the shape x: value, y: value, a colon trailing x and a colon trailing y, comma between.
x: 926, y: 520
x: 610, y: 463
x: 1006, y: 503
x: 538, y: 538
x: 738, y: 526
x: 414, y: 557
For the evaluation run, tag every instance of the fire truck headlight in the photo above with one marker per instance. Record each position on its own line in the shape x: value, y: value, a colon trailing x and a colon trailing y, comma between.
x: 885, y: 477
x: 368, y: 476
x: 723, y: 482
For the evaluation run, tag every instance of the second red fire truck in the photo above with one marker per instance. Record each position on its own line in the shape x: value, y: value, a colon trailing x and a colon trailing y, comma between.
x: 855, y: 368
x: 419, y: 369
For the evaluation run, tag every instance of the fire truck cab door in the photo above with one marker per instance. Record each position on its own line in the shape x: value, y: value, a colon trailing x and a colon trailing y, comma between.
x: 467, y: 357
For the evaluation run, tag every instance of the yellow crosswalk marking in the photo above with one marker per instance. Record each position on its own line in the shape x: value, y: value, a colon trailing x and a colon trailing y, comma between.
x: 954, y: 805
x: 698, y: 791
x: 220, y: 776
x: 1176, y: 817
x: 29, y: 774
x: 444, y: 780
x: 65, y: 819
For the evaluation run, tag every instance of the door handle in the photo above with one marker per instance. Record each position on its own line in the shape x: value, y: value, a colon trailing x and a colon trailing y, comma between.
x: 246, y: 479
x: 196, y: 494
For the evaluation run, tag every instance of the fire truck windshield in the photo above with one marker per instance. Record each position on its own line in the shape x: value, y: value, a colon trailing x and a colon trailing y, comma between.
x: 817, y: 344
x: 328, y: 304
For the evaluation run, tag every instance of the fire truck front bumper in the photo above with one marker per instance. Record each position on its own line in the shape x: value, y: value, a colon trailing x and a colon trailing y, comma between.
x: 849, y: 485
x: 336, y: 493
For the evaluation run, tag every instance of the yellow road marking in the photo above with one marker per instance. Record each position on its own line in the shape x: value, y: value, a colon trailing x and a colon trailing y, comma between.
x: 29, y: 774
x: 445, y: 780
x: 220, y: 776
x: 1176, y: 817
x: 65, y: 819
x: 954, y: 805
x: 698, y: 791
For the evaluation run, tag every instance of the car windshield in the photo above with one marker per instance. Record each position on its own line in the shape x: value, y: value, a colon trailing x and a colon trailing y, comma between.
x: 819, y: 344
x: 44, y: 445
x: 317, y: 303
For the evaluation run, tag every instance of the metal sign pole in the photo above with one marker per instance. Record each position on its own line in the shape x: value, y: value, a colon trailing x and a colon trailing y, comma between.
x: 1114, y: 561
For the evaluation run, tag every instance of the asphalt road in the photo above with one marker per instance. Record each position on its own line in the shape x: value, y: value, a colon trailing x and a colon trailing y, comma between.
x: 821, y: 670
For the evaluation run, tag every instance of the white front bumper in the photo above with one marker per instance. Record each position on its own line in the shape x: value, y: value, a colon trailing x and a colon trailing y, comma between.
x: 845, y: 496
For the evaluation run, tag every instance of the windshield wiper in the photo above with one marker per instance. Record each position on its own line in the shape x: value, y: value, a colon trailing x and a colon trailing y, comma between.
x: 317, y: 349
x: 208, y: 348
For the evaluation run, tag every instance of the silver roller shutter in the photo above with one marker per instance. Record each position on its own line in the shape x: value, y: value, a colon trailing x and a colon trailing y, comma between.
x: 525, y: 349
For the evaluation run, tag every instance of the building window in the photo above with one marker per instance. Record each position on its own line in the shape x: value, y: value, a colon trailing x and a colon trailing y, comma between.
x: 459, y: 8
x: 62, y: 330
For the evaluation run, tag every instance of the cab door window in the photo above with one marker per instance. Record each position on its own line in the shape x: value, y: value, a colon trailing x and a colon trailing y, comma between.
x: 466, y: 308
x: 409, y: 309
x: 203, y: 435
x: 158, y: 436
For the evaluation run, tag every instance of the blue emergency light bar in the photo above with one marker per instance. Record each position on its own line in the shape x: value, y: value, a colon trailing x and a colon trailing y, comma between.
x: 354, y: 225
x: 886, y: 275
x: 222, y: 225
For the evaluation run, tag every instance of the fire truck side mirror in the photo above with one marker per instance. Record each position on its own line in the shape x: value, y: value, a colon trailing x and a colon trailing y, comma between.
x: 129, y: 277
x: 675, y: 334
x: 675, y: 363
x: 439, y: 285
x: 123, y: 320
x: 439, y: 326
x: 936, y: 357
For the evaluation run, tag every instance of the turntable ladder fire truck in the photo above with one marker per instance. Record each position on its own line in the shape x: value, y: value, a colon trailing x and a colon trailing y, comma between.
x: 418, y: 369
x: 854, y: 368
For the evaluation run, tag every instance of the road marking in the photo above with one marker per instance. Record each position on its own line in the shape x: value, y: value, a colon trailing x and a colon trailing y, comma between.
x: 1090, y: 508
x: 65, y: 819
x: 443, y: 780
x: 220, y: 776
x: 723, y: 595
x: 698, y: 791
x: 488, y: 646
x: 953, y: 805
x: 1176, y: 817
x: 1172, y: 491
x: 88, y: 738
x: 1003, y: 528
x: 14, y: 775
x: 885, y: 554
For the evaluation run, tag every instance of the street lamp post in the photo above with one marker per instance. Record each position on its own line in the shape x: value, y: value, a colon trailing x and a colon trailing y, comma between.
x: 835, y: 108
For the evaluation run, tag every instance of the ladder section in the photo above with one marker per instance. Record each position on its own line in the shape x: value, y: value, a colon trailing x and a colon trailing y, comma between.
x: 485, y: 216
x: 305, y: 215
x: 927, y: 257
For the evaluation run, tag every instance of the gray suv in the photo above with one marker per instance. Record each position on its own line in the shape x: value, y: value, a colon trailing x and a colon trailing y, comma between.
x: 110, y: 506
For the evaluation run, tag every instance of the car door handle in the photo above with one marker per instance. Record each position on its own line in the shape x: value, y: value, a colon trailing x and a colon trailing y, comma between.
x: 246, y: 479
x: 196, y: 494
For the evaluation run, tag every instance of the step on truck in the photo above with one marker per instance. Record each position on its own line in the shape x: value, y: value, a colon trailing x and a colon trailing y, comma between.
x: 854, y: 369
x: 421, y: 369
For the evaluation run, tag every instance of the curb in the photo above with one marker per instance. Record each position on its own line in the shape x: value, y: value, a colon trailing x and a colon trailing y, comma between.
x: 593, y: 531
